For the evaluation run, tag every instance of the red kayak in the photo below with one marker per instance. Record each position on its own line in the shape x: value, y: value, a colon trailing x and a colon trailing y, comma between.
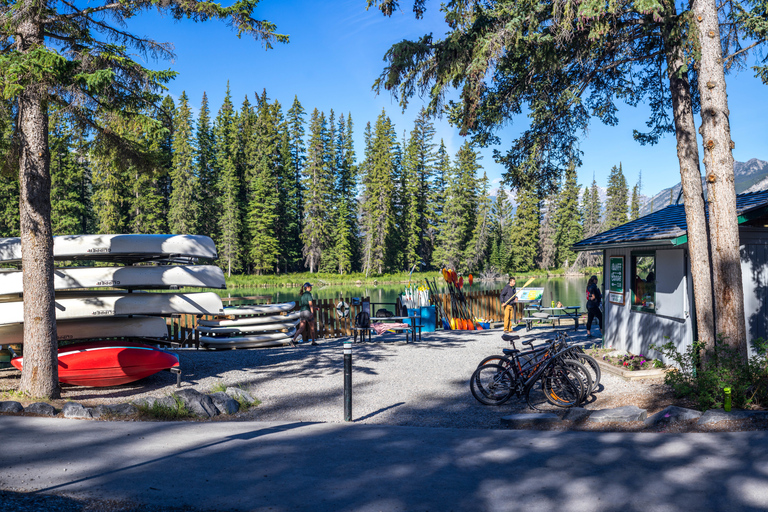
x: 108, y: 363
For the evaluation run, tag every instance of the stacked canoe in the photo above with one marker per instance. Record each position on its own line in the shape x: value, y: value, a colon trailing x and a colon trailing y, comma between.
x: 99, y: 304
x: 269, y: 325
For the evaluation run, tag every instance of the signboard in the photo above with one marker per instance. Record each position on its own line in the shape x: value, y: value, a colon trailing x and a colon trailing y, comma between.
x: 616, y: 298
x: 616, y: 274
x: 530, y: 294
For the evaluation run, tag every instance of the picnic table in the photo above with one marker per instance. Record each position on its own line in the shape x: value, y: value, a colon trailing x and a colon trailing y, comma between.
x: 412, y: 329
x: 552, y: 315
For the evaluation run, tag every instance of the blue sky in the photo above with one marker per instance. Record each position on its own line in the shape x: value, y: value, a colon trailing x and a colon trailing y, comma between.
x: 336, y: 52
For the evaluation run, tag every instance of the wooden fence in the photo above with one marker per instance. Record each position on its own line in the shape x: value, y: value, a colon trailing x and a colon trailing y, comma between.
x: 483, y: 304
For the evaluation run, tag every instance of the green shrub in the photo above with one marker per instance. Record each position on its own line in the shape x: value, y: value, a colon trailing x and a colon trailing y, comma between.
x: 159, y: 411
x: 703, y: 379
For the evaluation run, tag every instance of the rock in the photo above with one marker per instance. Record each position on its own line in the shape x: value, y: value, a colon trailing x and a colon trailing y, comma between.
x: 224, y: 403
x: 198, y: 403
x: 75, y: 410
x: 519, y: 420
x: 40, y: 408
x: 244, y: 395
x: 11, y: 406
x: 168, y: 402
x: 619, y: 414
x: 147, y: 402
x: 673, y: 414
x: 114, y: 410
x: 715, y: 415
x: 576, y: 414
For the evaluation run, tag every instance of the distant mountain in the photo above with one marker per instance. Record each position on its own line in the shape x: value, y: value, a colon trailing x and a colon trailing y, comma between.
x: 750, y: 176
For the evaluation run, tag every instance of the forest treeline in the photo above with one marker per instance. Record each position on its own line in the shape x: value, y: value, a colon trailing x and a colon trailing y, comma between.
x: 284, y: 191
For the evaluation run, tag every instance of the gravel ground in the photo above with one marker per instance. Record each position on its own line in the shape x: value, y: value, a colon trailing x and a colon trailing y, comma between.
x: 417, y: 384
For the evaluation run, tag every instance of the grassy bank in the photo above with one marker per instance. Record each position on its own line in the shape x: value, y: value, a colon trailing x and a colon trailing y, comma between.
x: 329, y: 279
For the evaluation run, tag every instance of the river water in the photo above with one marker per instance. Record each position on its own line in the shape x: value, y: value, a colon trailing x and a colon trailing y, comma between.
x: 568, y: 290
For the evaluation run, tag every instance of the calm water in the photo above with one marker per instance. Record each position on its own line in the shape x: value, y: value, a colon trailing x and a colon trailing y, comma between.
x: 568, y: 290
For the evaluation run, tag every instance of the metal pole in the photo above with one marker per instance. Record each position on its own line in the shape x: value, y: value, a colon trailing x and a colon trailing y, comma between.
x: 347, y: 381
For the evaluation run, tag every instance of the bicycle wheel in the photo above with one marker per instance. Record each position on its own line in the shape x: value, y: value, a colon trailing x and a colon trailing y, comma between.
x: 492, y: 384
x: 594, y: 369
x: 563, y: 385
x: 500, y: 360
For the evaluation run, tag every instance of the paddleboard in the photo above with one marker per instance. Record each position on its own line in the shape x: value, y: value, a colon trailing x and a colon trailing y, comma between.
x: 98, y: 304
x: 247, y: 328
x: 252, y: 320
x: 261, y: 340
x: 146, y: 276
x: 266, y: 309
x: 104, y: 327
x: 128, y: 248
x: 108, y: 363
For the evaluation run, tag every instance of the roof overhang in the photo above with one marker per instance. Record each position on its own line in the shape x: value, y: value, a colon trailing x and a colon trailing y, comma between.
x: 623, y: 245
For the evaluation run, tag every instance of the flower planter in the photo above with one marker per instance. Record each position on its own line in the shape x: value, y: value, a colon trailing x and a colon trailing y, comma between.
x: 653, y: 373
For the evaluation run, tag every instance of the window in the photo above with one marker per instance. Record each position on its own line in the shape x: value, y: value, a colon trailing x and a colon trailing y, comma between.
x: 644, y: 281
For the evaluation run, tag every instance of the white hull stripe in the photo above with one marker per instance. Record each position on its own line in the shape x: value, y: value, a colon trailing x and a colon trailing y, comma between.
x: 21, y: 359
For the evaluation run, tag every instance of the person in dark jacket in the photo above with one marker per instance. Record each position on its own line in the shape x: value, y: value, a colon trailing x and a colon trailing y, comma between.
x: 306, y: 314
x: 509, y: 304
x: 594, y: 297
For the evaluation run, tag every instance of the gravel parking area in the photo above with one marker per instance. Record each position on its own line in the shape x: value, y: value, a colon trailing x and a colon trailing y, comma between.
x: 423, y: 383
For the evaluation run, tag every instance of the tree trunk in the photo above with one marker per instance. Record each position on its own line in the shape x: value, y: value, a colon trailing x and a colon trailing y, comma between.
x: 690, y: 178
x: 40, y: 376
x: 718, y: 162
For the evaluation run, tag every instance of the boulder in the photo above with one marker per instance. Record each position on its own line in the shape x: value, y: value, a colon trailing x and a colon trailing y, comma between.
x: 149, y: 402
x: 716, y: 415
x: 75, y: 410
x: 11, y: 406
x: 536, y: 418
x: 243, y: 395
x: 576, y: 414
x: 114, y: 410
x: 224, y: 403
x: 40, y: 408
x: 619, y: 414
x: 198, y: 403
x: 673, y: 414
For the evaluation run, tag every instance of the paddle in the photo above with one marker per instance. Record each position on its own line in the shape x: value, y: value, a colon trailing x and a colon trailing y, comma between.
x: 518, y: 291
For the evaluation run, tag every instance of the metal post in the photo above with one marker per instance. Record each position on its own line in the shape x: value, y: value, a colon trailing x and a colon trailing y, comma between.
x: 347, y: 381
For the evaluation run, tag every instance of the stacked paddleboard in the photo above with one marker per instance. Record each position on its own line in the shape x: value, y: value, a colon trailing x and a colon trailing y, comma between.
x: 99, y: 303
x: 269, y: 325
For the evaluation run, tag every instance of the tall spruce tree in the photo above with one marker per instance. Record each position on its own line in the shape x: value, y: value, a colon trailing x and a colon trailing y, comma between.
x: 9, y: 205
x: 167, y: 118
x: 229, y: 243
x: 70, y: 177
x: 184, y: 208
x: 524, y: 234
x: 442, y: 170
x: 547, y: 250
x: 478, y: 250
x: 634, y: 207
x: 288, y: 214
x: 592, y: 224
x: 567, y: 220
x: 317, y: 183
x: 207, y: 173
x: 296, y: 132
x: 501, y: 222
x: 616, y: 201
x: 346, y: 250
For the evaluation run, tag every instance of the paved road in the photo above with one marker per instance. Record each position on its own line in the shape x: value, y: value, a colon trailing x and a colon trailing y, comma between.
x: 333, y: 467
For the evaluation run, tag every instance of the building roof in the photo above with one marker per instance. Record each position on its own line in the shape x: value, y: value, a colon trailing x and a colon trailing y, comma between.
x: 667, y: 226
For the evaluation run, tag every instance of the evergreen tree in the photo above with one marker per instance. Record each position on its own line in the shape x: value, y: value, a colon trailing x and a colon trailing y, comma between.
x: 229, y: 244
x: 184, y: 208
x: 377, y: 206
x: 524, y: 233
x: 263, y: 168
x: 70, y: 178
x: 547, y: 251
x: 245, y: 122
x: 167, y: 117
x: 616, y: 202
x: 567, y: 220
x: 298, y: 158
x: 9, y: 205
x: 592, y: 225
x: 288, y: 214
x: 442, y: 170
x: 207, y: 173
x: 346, y: 232
x: 501, y: 222
x: 329, y: 262
x: 317, y: 183
x: 634, y: 209
x: 479, y: 247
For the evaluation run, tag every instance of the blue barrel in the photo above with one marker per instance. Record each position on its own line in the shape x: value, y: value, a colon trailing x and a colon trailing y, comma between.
x: 428, y: 319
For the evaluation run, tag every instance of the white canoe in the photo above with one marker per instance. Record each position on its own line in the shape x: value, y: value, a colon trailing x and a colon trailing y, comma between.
x: 154, y: 276
x: 91, y: 328
x: 252, y: 320
x: 118, y: 247
x: 247, y: 328
x: 84, y: 305
x: 266, y: 309
x: 261, y: 340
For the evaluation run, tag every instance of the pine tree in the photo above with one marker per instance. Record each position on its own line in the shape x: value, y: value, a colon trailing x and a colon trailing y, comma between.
x: 479, y: 247
x: 377, y: 206
x: 9, y: 205
x: 70, y: 178
x: 329, y: 262
x: 229, y: 244
x: 263, y: 167
x: 547, y: 250
x: 524, y: 233
x: 567, y: 220
x: 634, y: 209
x: 288, y: 233
x: 207, y: 173
x: 616, y: 202
x: 317, y: 183
x: 296, y: 132
x: 442, y: 170
x: 592, y: 225
x: 501, y: 222
x: 184, y: 208
x: 167, y: 117
x: 346, y: 232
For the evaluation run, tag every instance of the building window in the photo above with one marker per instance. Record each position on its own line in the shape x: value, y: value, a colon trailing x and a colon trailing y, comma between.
x: 644, y: 281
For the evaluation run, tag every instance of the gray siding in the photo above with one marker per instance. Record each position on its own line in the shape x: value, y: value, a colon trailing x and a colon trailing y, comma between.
x: 636, y: 331
x: 754, y: 275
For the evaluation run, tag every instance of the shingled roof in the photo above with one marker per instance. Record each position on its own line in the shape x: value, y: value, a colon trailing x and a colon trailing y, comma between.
x: 666, y: 226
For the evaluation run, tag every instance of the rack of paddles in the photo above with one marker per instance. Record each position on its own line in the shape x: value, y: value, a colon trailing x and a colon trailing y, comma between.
x: 455, y: 314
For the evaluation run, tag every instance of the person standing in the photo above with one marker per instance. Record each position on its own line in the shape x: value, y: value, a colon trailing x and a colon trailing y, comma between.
x: 594, y: 297
x: 306, y: 315
x: 509, y: 304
